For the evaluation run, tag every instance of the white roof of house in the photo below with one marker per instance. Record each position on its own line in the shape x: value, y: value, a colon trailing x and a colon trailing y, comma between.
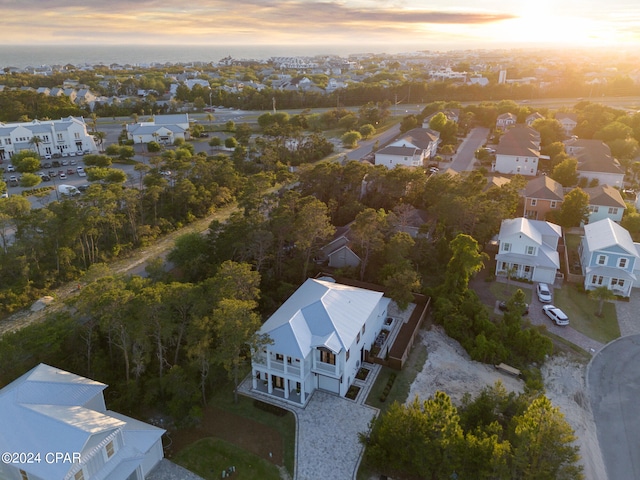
x: 534, y: 229
x: 50, y: 410
x: 605, y: 234
x: 320, y: 314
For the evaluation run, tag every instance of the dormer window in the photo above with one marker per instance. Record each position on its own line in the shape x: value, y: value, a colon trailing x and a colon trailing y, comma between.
x: 622, y: 263
x: 602, y: 259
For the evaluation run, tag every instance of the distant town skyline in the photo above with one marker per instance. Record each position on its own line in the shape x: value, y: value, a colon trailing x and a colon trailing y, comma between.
x: 429, y: 24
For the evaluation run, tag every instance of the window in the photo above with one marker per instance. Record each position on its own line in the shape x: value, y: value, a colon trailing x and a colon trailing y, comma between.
x: 506, y: 247
x: 526, y: 160
x: 531, y: 250
x: 527, y: 269
x: 327, y: 357
x: 348, y: 353
x: 24, y: 475
x: 596, y: 280
x: 534, y: 202
x: 553, y: 204
x: 593, y: 209
x: 358, y: 338
x: 77, y: 135
x: 79, y: 475
x: 60, y: 137
x: 622, y: 262
x: 613, y: 210
x: 617, y: 281
x: 109, y: 449
x: 280, y: 357
x: 363, y: 327
x: 602, y: 259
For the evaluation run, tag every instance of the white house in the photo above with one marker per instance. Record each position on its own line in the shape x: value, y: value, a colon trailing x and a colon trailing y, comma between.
x: 528, y: 249
x: 48, y: 410
x: 506, y: 120
x: 163, y: 129
x: 424, y: 139
x: 518, y: 151
x: 56, y: 137
x: 609, y: 257
x: 595, y: 161
x: 568, y: 120
x: 320, y: 338
x: 392, y: 157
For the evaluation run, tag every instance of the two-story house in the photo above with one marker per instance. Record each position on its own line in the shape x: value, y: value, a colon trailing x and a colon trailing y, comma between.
x: 320, y: 337
x: 506, y: 120
x: 532, y: 118
x: 528, y: 249
x: 48, y: 410
x: 605, y: 202
x: 518, y: 151
x: 541, y: 196
x: 423, y: 139
x: 608, y: 257
x: 595, y: 161
x: 568, y: 120
x: 393, y: 156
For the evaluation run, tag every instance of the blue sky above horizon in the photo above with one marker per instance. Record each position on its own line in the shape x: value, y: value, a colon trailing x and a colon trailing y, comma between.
x: 451, y: 24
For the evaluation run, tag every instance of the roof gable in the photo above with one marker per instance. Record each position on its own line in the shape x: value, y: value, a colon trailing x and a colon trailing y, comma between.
x: 604, y: 234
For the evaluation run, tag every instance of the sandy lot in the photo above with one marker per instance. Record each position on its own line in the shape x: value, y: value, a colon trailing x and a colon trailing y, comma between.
x: 449, y: 369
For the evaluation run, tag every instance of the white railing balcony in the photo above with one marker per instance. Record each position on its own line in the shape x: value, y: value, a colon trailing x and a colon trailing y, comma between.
x: 326, y: 368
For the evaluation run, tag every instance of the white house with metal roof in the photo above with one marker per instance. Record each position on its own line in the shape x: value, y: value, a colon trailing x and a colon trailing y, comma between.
x: 320, y: 336
x: 164, y: 129
x: 609, y: 257
x: 528, y: 249
x: 48, y: 410
x: 56, y: 137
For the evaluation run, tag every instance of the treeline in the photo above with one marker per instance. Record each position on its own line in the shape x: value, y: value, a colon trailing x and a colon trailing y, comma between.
x: 497, y: 435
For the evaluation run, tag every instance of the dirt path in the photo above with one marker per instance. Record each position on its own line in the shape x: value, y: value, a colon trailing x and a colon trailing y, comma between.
x: 135, y: 260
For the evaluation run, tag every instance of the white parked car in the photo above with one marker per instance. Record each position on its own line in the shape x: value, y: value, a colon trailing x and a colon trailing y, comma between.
x: 555, y: 314
x: 81, y: 172
x: 544, y: 293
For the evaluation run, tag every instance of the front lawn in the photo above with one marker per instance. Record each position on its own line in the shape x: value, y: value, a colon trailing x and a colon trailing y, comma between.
x: 209, y: 457
x: 502, y: 291
x: 581, y: 311
x: 223, y: 398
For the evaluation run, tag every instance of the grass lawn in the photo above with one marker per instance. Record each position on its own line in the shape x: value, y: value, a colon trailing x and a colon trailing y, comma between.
x: 404, y: 378
x: 223, y: 398
x: 581, y: 311
x: 210, y: 456
x: 502, y: 291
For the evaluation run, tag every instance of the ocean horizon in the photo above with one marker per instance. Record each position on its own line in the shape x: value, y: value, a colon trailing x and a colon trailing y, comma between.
x: 21, y: 56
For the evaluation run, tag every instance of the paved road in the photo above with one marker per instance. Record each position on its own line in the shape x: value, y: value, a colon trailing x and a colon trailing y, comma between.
x: 464, y: 158
x: 613, y: 381
x: 365, y: 147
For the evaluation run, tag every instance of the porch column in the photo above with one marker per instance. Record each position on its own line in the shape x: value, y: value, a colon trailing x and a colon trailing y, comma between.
x: 254, y: 380
x: 286, y: 389
x: 269, y: 385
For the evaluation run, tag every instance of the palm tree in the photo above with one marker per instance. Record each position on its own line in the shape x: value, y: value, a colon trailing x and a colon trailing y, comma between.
x: 36, y: 140
x: 100, y: 136
x: 601, y: 294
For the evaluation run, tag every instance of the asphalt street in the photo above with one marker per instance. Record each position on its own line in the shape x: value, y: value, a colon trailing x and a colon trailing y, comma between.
x: 613, y: 381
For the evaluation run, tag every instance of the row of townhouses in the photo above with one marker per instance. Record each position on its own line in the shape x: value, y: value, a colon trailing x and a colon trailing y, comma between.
x: 46, y: 137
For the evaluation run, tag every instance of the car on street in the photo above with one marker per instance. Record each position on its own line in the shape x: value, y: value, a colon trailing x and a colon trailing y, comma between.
x: 62, y: 176
x: 544, y: 293
x: 53, y: 173
x: 556, y: 315
x: 503, y: 307
x: 70, y: 171
x: 13, y: 181
x: 11, y: 168
x: 81, y: 172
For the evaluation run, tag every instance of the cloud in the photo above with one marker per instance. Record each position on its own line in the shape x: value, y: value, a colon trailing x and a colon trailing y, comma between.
x: 265, y: 15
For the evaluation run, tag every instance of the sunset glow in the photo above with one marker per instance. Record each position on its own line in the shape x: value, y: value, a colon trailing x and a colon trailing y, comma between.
x: 464, y: 24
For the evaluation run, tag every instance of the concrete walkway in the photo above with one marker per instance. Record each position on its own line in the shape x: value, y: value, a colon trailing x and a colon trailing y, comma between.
x: 629, y: 314
x: 327, y: 428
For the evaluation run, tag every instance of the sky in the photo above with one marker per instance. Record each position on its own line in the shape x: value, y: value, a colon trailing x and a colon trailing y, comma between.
x: 428, y: 23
